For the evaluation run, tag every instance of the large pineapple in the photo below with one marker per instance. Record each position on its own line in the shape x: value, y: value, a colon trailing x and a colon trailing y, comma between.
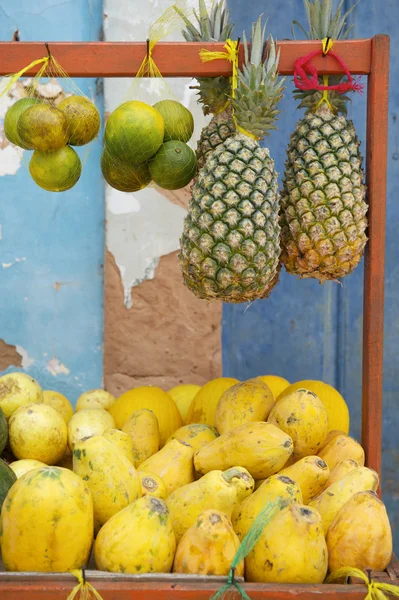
x: 230, y: 245
x: 323, y: 212
x: 214, y: 92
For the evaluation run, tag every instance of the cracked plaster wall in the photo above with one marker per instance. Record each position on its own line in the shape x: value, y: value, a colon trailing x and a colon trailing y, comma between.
x: 155, y: 330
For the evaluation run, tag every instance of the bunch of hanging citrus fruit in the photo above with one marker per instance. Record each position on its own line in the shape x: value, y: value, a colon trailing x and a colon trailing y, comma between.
x: 51, y: 131
x: 144, y: 143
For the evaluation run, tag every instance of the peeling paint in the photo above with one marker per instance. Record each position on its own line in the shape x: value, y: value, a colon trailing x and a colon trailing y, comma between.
x: 15, y: 261
x: 55, y: 367
x: 27, y: 361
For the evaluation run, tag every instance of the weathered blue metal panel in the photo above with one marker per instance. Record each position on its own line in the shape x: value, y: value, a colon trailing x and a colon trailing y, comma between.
x: 305, y: 330
x: 52, y: 245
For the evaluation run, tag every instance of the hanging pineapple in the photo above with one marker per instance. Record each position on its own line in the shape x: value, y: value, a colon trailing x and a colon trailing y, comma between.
x: 230, y: 245
x: 213, y: 92
x: 323, y: 208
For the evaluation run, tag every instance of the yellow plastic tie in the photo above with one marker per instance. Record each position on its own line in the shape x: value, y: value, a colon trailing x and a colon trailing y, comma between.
x: 83, y: 588
x: 14, y: 78
x: 327, y: 45
x: 148, y: 68
x: 375, y: 590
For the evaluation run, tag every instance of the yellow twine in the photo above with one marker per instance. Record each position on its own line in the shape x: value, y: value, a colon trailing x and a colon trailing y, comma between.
x: 327, y: 45
x: 231, y: 55
x: 83, y: 588
x: 14, y: 78
x: 375, y: 590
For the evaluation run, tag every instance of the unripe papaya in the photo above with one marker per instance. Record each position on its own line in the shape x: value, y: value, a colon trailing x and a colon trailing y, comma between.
x: 303, y: 417
x: 259, y: 447
x: 173, y: 464
x: 340, y: 448
x: 208, y: 547
x: 311, y: 474
x: 291, y: 549
x: 213, y: 491
x: 360, y: 535
x: 142, y: 426
x: 244, y: 402
x: 340, y: 470
x: 195, y: 434
x: 276, y: 487
x: 329, y: 502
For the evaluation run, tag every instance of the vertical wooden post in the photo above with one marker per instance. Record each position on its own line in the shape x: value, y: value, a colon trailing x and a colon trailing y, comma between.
x: 373, y: 317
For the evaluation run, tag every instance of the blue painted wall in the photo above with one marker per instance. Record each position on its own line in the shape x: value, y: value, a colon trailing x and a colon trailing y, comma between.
x: 51, y: 302
x: 305, y: 330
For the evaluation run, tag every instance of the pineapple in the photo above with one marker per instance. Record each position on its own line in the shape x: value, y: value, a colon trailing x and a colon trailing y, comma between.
x: 230, y: 245
x: 213, y: 92
x: 323, y: 208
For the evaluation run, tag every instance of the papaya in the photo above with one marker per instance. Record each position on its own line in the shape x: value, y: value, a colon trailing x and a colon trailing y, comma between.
x: 276, y: 487
x: 329, y: 502
x: 244, y: 402
x: 340, y: 448
x: 291, y: 549
x: 208, y: 547
x: 138, y: 539
x: 340, y: 470
x: 121, y: 440
x: 330, y: 436
x: 259, y: 447
x: 195, y: 434
x: 20, y: 467
x: 311, y: 473
x: 303, y: 417
x: 3, y: 431
x: 7, y: 479
x: 142, y: 427
x: 213, y: 491
x: 360, y: 535
x: 173, y: 464
x: 88, y: 423
x: 110, y: 477
x: 242, y: 480
x: 152, y: 485
x: 203, y: 407
x: 47, y: 522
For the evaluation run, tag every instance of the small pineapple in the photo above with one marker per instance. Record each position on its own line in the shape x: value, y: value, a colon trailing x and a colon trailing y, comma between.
x: 213, y: 92
x: 230, y: 245
x: 323, y: 207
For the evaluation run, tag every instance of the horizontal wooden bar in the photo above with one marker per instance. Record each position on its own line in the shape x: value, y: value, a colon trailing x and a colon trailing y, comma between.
x: 174, y: 59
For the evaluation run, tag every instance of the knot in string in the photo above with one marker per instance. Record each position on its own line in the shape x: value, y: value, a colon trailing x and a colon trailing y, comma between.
x: 83, y: 590
x: 375, y: 590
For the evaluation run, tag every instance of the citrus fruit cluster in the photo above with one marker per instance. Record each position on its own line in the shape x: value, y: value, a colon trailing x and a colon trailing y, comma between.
x: 50, y: 131
x: 144, y: 143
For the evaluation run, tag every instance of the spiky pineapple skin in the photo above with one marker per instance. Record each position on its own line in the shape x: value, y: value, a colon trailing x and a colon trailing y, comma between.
x: 323, y: 207
x: 230, y: 245
x: 214, y: 134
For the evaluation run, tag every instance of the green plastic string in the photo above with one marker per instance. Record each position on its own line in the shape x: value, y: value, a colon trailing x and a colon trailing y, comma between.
x: 248, y: 543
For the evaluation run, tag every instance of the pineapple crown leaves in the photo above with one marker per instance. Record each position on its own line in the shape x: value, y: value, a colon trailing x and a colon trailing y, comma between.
x: 259, y: 88
x: 213, y: 25
x: 324, y: 24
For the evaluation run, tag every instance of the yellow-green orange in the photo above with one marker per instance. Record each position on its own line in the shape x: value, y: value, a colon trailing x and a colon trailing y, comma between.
x: 55, y: 171
x: 122, y: 176
x: 11, y: 119
x: 43, y: 127
x: 83, y: 119
x: 179, y: 122
x: 173, y: 166
x: 17, y: 389
x: 97, y: 398
x: 134, y: 132
x: 60, y: 403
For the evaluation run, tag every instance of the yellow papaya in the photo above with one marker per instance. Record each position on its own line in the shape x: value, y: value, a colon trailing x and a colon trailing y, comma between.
x: 195, y: 434
x: 259, y: 447
x: 340, y: 470
x: 340, y: 448
x: 244, y: 402
x: 138, y: 539
x: 311, y: 474
x: 303, y: 417
x: 88, y: 423
x: 152, y: 485
x: 276, y: 487
x: 142, y: 427
x: 291, y: 549
x: 47, y: 522
x: 329, y: 502
x: 121, y: 440
x: 203, y: 407
x: 330, y: 436
x: 212, y: 491
x: 360, y: 535
x: 208, y: 547
x: 242, y: 480
x: 110, y: 477
x: 20, y: 467
x: 173, y: 464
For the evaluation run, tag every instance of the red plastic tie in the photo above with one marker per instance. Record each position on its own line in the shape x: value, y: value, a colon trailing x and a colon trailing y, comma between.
x: 306, y: 76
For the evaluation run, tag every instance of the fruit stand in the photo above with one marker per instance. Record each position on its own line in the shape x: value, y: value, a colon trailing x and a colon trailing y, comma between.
x: 368, y: 57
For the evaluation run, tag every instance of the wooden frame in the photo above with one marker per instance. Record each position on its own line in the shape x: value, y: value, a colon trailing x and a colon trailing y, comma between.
x: 366, y: 57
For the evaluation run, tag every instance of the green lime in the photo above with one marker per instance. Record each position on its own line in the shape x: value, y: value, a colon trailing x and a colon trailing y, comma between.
x: 11, y: 120
x: 173, y: 166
